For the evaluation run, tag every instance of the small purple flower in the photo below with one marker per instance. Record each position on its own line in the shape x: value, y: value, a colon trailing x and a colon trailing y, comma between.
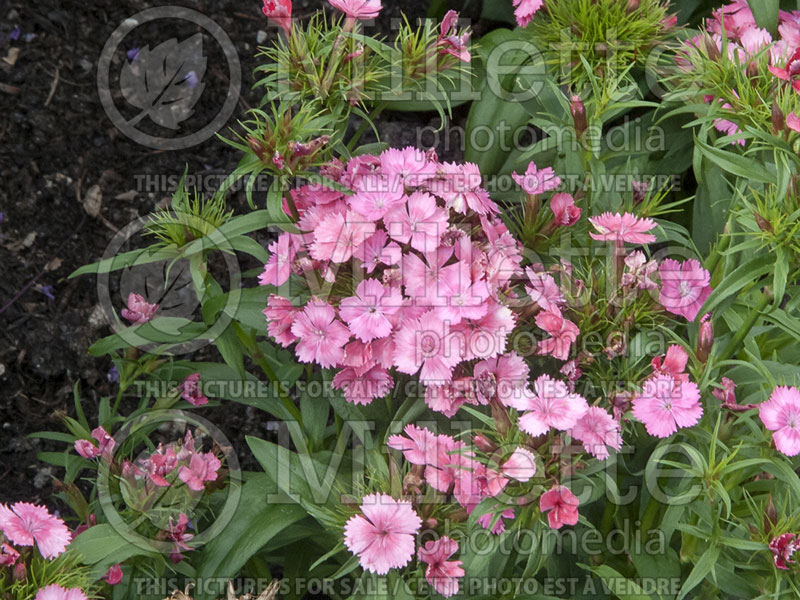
x: 192, y: 79
x: 133, y: 53
x: 14, y: 35
x: 47, y: 290
x: 113, y: 374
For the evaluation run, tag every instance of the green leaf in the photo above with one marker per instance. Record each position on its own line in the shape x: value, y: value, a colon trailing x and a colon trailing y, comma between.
x: 102, y: 546
x: 749, y: 272
x: 766, y: 14
x: 701, y: 568
x: 736, y: 164
x: 618, y: 585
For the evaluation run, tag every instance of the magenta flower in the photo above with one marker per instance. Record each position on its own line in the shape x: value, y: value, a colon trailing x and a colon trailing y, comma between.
x: 563, y: 333
x: 279, y: 11
x: 427, y: 345
x: 564, y: 209
x: 279, y: 267
x: 366, y: 313
x: 338, y: 236
x: 790, y: 72
x: 450, y: 42
x: 781, y: 414
x: 598, y: 431
x: 176, y: 533
x: 418, y: 447
x: 622, y: 228
x: 666, y: 404
x: 684, y: 287
x: 673, y: 363
x: 8, y: 555
x: 139, y: 311
x: 783, y: 548
x: 160, y: 464
x: 383, y: 535
x: 550, y: 405
x: 322, y: 337
x: 191, y: 392
x: 201, y: 468
x: 441, y: 573
x: 419, y: 222
x: 105, y: 442
x: 561, y: 505
x: 358, y: 9
x: 536, y: 181
x: 26, y: 524
x: 362, y: 386
x: 521, y: 465
x: 56, y: 592
x: 525, y: 10
x: 114, y: 574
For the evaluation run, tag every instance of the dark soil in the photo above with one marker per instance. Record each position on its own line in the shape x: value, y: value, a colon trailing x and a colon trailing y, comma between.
x: 58, y: 149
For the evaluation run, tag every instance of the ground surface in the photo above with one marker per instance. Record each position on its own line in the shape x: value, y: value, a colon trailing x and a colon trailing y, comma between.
x: 58, y: 150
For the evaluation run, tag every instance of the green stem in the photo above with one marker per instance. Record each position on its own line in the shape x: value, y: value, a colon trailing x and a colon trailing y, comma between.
x: 716, y: 254
x: 362, y: 129
x: 744, y: 330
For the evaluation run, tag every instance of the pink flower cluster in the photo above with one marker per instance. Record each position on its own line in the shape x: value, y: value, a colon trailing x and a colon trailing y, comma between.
x: 431, y: 266
x: 56, y: 592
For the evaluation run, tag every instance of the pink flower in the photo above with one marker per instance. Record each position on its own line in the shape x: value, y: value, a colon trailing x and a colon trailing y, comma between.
x: 564, y: 209
x: 358, y: 9
x: 441, y: 573
x: 563, y: 333
x: 487, y: 337
x: 139, y: 311
x: 383, y: 535
x: 280, y: 314
x: 460, y: 298
x: 638, y: 271
x: 322, y: 337
x: 783, y: 548
x: 562, y: 504
x: 191, y: 392
x: 176, y: 533
x: 793, y: 122
x: 460, y: 188
x: 160, y: 464
x: 598, y: 431
x: 450, y: 42
x: 106, y: 444
x: 550, y: 405
x: 338, y: 236
x: 674, y: 363
x: 622, y: 228
x: 536, y: 182
x: 419, y: 222
x: 56, y: 592
x: 202, y: 468
x: 279, y: 11
x: 790, y: 72
x: 366, y: 313
x: 411, y: 166
x: 376, y: 196
x: 666, y: 404
x: 8, y: 555
x: 114, y: 574
x: 684, y: 287
x: 421, y: 447
x: 525, y: 10
x: 543, y: 289
x: 521, y: 465
x: 504, y: 378
x: 375, y: 251
x: 499, y: 527
x: 279, y: 268
x: 363, y: 386
x: 426, y: 345
x: 781, y: 414
x: 25, y: 524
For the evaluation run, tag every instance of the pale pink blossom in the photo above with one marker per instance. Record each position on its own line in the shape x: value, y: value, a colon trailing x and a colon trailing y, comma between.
x: 504, y: 378
x: 561, y: 505
x: 459, y: 296
x: 322, y: 337
x: 793, y: 122
x: 536, y: 181
x: 337, y: 237
x: 375, y: 251
x: 383, y: 535
x: 781, y: 415
x: 450, y: 41
x: 377, y: 195
x: 525, y: 10
x: 362, y: 386
x: 8, y: 555
x: 563, y: 333
x: 280, y: 314
x: 201, y: 469
x: 550, y: 405
x: 447, y: 398
x: 460, y: 188
x: 26, y: 524
x: 564, y: 210
x: 282, y: 255
x: 673, y: 363
x: 427, y: 345
x: 598, y: 431
x: 358, y: 9
x: 521, y: 465
x: 684, y: 287
x: 638, y: 271
x: 139, y: 311
x: 622, y: 228
x: 441, y: 573
x: 410, y: 165
x: 487, y: 337
x: 279, y: 11
x: 543, y: 289
x: 419, y: 222
x: 665, y: 404
x: 499, y: 526
x: 421, y: 447
x: 366, y: 313
x: 56, y: 592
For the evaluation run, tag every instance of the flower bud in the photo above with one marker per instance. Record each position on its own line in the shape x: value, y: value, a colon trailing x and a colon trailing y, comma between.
x: 20, y: 572
x: 484, y: 443
x: 633, y: 5
x: 705, y: 340
x: 578, y: 110
x: 778, y: 118
x: 763, y: 224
